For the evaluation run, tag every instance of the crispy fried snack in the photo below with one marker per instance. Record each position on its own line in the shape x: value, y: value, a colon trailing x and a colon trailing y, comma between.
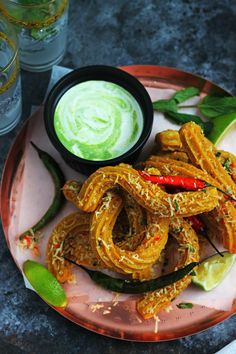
x: 202, y: 153
x: 222, y: 220
x: 168, y: 140
x: 153, y: 302
x: 168, y: 144
x: 101, y: 239
x: 148, y: 195
x: 75, y: 226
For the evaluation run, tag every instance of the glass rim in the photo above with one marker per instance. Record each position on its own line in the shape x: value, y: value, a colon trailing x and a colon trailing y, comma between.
x: 32, y: 5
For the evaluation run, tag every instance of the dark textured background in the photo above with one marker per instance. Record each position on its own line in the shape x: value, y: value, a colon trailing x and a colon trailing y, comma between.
x: 197, y: 36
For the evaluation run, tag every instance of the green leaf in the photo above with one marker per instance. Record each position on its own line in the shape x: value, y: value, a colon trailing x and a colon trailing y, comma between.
x: 185, y: 94
x: 185, y: 305
x: 182, y: 118
x: 165, y: 105
x: 207, y: 127
x: 35, y: 14
x: 179, y: 97
x: 212, y: 107
x: 44, y: 33
x: 176, y: 205
x: 227, y: 164
x: 221, y: 125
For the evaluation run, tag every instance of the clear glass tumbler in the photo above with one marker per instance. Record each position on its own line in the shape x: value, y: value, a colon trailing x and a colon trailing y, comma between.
x: 41, y: 26
x: 10, y: 86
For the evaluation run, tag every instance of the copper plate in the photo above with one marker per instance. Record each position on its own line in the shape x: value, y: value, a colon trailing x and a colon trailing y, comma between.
x: 122, y: 322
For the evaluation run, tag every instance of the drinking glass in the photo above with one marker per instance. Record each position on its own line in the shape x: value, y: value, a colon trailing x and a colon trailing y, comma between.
x: 10, y: 86
x: 41, y: 28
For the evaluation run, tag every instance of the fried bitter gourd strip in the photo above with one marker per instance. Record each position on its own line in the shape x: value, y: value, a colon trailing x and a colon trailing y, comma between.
x: 168, y: 140
x: 148, y: 195
x: 153, y: 302
x: 146, y: 253
x: 202, y: 153
x: 70, y: 239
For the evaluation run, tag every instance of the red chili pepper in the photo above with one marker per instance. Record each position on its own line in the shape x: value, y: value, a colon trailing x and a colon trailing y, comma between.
x: 196, y: 223
x: 157, y: 238
x: 28, y: 240
x: 187, y: 183
x: 223, y: 207
x: 199, y: 227
x: 190, y: 184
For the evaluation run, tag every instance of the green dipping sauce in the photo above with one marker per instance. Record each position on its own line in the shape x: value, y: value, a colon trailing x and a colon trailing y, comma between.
x: 98, y: 120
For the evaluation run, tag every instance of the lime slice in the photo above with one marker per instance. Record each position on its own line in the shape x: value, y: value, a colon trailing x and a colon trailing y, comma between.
x: 221, y: 125
x: 213, y: 270
x: 44, y: 283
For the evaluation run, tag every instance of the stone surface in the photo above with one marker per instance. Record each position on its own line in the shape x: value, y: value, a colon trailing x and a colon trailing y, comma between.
x: 195, y: 36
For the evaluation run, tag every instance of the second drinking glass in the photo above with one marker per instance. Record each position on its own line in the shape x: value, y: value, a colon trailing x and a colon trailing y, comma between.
x: 41, y: 27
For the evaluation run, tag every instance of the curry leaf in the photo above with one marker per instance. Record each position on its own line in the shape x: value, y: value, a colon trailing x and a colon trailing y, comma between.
x: 182, y: 118
x: 165, y: 105
x: 185, y: 94
x: 212, y: 106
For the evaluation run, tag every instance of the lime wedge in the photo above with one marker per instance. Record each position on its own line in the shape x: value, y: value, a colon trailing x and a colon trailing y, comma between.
x: 44, y: 283
x: 221, y: 125
x: 213, y: 270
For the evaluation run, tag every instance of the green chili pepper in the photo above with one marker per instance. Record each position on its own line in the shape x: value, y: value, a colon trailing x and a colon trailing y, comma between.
x: 185, y: 305
x: 58, y: 200
x: 134, y: 286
